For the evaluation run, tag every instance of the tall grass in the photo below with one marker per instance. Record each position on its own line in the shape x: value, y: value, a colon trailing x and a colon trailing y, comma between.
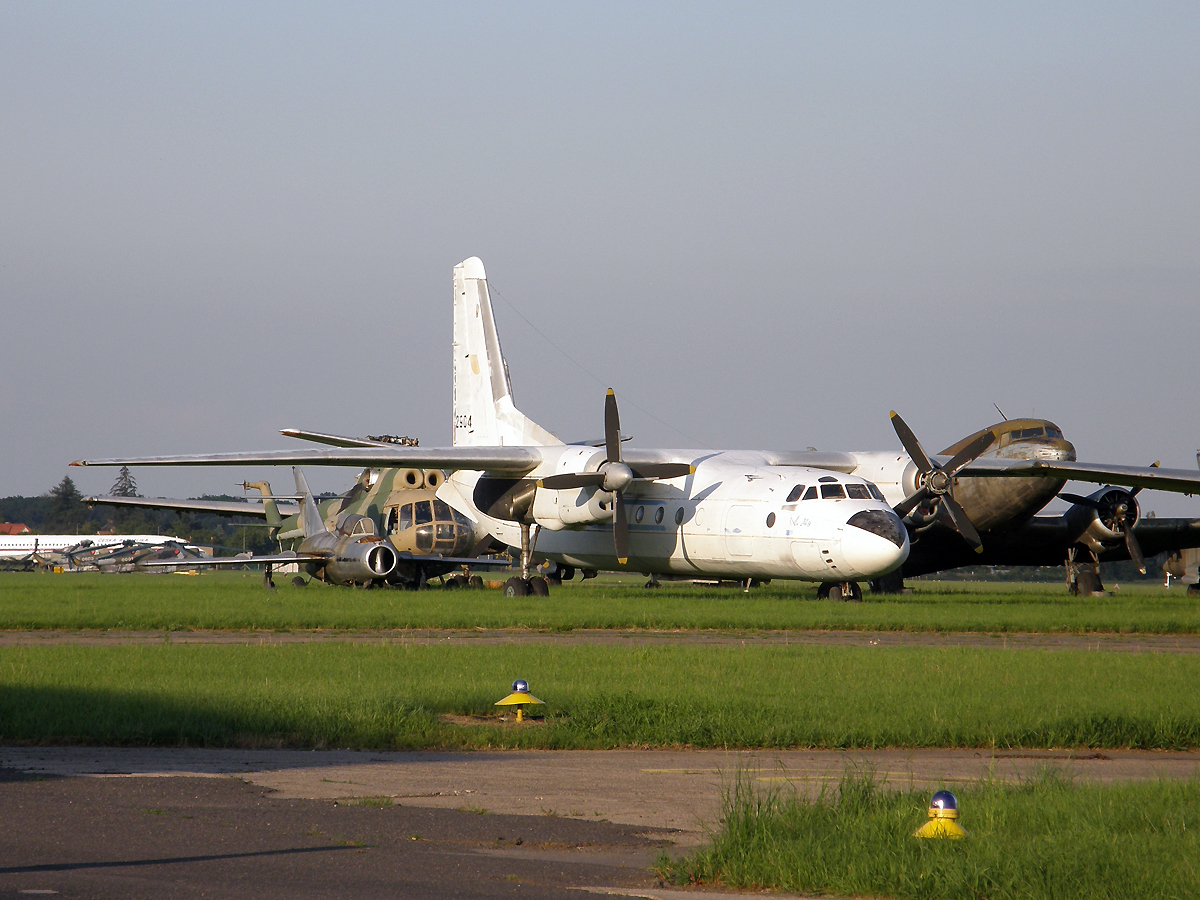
x: 393, y: 695
x: 236, y: 601
x: 1046, y: 838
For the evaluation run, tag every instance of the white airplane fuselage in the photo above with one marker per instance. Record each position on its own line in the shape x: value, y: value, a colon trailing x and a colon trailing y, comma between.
x: 24, y: 544
x: 734, y: 517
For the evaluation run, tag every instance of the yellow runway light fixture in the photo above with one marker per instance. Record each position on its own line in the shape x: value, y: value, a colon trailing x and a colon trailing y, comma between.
x: 520, y: 697
x: 943, y: 813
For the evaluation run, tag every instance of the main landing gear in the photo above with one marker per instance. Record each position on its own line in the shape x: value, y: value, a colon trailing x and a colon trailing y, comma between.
x: 840, y: 590
x: 1083, y: 576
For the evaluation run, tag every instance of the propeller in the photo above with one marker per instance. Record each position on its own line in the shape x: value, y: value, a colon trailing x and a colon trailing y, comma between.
x: 937, y: 482
x: 1119, y: 515
x: 615, y: 476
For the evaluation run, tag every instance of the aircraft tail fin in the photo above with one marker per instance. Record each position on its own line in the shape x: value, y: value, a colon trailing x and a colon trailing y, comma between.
x: 310, y: 517
x: 274, y: 519
x: 484, y: 413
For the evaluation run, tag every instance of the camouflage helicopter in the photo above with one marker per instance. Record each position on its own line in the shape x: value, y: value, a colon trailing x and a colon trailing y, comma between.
x: 392, y: 527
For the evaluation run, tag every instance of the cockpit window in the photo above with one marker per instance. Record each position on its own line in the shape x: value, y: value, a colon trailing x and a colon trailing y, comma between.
x: 363, y: 526
x: 1053, y: 431
x: 795, y: 494
x: 424, y: 514
x: 442, y: 512
x: 858, y: 492
x: 832, y: 492
x: 811, y: 494
x: 875, y: 492
x: 1028, y: 433
x: 405, y: 517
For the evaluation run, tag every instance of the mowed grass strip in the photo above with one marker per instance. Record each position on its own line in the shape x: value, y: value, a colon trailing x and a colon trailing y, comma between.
x: 395, y: 696
x: 226, y: 600
x: 1047, y: 838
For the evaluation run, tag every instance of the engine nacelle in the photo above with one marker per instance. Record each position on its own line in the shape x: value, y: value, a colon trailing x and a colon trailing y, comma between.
x: 1115, y: 511
x: 575, y: 507
x: 360, y: 559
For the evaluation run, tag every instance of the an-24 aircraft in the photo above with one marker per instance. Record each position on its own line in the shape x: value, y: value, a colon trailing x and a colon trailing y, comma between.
x: 747, y: 514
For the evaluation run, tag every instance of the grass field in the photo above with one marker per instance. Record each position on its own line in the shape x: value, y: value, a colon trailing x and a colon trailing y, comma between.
x: 1045, y: 839
x: 237, y: 601
x: 394, y: 695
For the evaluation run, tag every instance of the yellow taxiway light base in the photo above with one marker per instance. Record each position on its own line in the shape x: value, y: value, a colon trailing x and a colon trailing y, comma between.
x: 519, y: 699
x: 941, y: 824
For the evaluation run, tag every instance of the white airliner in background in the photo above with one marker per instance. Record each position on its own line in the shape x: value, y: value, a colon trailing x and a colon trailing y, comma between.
x: 19, y: 545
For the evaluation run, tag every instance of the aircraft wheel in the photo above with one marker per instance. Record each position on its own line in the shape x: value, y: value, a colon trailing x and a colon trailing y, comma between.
x: 589, y: 573
x: 891, y: 583
x: 299, y: 582
x: 824, y: 589
x: 852, y: 592
x: 566, y: 573
x: 475, y: 581
x: 1087, y: 583
x: 652, y: 584
x: 451, y: 584
x: 516, y: 587
x: 539, y: 587
x: 1193, y: 590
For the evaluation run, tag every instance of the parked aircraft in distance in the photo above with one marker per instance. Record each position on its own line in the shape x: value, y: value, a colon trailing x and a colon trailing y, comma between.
x: 86, y: 551
x: 823, y: 516
x: 428, y: 537
x: 348, y: 552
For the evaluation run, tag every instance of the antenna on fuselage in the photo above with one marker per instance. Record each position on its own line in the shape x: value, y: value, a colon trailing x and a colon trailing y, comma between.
x: 999, y: 410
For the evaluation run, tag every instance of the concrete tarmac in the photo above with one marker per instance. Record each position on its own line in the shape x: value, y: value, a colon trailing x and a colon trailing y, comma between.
x: 121, y: 822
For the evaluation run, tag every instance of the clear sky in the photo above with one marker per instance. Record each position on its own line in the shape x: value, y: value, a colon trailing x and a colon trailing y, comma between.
x: 764, y: 225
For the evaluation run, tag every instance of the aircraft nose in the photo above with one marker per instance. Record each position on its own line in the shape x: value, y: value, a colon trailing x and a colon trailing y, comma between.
x: 875, y: 542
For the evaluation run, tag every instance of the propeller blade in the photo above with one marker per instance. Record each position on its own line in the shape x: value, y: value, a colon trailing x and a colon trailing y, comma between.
x: 959, y: 516
x: 1082, y: 501
x: 612, y: 427
x: 572, y: 480
x: 911, y: 445
x: 664, y: 470
x: 1136, y: 490
x: 620, y: 528
x: 967, y: 454
x: 1135, y: 550
x: 908, y: 504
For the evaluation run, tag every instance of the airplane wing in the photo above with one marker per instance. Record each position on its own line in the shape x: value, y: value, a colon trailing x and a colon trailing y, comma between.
x: 457, y: 560
x: 1181, y: 481
x: 276, y: 559
x: 253, y: 509
x: 507, y: 460
x: 334, y: 440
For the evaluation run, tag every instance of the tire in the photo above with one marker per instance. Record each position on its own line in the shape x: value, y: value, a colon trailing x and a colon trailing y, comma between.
x: 823, y: 590
x: 835, y: 593
x: 1193, y: 590
x: 566, y: 573
x: 451, y: 584
x: 891, y: 583
x: 475, y: 581
x: 539, y: 587
x: 299, y: 582
x: 1087, y: 583
x: 855, y: 593
x: 589, y: 573
x: 516, y: 587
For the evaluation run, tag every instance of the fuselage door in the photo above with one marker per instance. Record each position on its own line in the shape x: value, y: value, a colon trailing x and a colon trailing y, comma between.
x: 739, y: 525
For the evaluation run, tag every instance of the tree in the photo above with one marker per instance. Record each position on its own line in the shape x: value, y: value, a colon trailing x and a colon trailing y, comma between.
x: 125, y: 485
x: 67, y: 512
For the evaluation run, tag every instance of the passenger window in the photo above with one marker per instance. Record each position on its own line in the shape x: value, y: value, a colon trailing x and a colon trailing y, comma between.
x: 770, y: 520
x: 876, y: 492
x: 795, y: 494
x: 658, y: 516
x: 637, y: 516
x: 424, y: 512
x: 832, y: 492
x: 679, y: 516
x: 811, y: 494
x: 405, y: 517
x: 858, y: 492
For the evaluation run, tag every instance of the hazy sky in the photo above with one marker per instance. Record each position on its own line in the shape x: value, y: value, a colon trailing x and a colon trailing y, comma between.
x: 764, y: 225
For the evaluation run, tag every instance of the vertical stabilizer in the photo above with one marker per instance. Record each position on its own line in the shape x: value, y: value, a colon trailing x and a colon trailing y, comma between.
x: 310, y: 517
x: 270, y: 509
x: 484, y: 414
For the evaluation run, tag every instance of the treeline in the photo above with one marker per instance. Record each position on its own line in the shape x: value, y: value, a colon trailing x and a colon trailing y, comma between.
x: 61, y: 510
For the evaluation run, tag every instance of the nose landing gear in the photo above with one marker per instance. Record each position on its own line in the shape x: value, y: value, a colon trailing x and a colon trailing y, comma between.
x: 840, y: 590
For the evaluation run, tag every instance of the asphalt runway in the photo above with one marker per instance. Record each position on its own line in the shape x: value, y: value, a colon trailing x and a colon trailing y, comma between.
x: 1127, y: 643
x: 131, y: 822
